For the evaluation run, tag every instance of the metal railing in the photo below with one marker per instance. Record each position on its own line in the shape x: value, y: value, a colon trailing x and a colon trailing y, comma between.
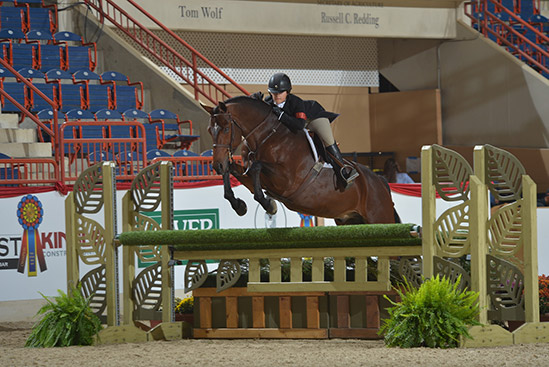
x: 194, y: 72
x: 510, y: 33
x: 25, y: 113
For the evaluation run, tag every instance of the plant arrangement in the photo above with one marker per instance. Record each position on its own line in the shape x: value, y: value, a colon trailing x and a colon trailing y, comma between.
x: 185, y: 305
x: 67, y: 321
x: 543, y: 281
x: 434, y: 315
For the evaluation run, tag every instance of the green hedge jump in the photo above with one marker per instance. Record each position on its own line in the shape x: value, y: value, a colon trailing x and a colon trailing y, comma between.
x: 364, y: 235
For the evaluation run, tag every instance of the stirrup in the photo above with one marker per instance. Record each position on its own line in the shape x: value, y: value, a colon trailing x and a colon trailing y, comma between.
x: 352, y: 175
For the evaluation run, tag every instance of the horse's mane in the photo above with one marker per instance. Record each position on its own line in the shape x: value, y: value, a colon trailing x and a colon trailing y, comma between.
x: 247, y: 100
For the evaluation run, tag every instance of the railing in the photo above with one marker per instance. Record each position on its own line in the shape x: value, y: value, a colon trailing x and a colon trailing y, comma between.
x: 51, y: 131
x: 511, y: 33
x: 193, y: 72
x: 84, y: 143
x: 28, y: 171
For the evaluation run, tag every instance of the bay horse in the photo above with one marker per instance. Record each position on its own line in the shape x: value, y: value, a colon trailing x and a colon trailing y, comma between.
x: 282, y: 163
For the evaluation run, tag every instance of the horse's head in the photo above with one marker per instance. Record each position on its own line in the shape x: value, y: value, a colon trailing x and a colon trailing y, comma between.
x: 226, y: 138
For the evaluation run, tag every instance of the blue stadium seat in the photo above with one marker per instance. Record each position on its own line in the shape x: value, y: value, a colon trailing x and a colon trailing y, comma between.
x: 24, y: 55
x: 79, y: 114
x: 185, y: 153
x: 114, y: 76
x: 16, y: 91
x: 526, y: 8
x: 96, y: 156
x: 97, y: 97
x: 156, y: 153
x: 45, y: 114
x: 50, y: 57
x: 5, y: 73
x: 38, y: 35
x: 41, y: 2
x: 30, y: 73
x: 12, y: 17
x: 8, y: 171
x: 125, y: 96
x: 41, y: 19
x: 71, y: 96
x: 106, y: 114
x: 134, y: 113
x: 79, y: 56
x: 58, y: 74
x: 18, y: 55
x: 170, y: 132
x: 207, y: 153
x: 39, y: 103
x: 193, y: 168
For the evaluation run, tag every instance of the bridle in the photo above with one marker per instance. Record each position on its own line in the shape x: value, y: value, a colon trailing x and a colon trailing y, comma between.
x: 233, y: 122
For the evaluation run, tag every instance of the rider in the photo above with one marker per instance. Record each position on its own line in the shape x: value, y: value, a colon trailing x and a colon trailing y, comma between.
x: 296, y: 114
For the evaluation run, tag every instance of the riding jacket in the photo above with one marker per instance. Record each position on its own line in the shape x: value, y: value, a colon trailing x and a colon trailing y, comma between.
x: 298, y: 112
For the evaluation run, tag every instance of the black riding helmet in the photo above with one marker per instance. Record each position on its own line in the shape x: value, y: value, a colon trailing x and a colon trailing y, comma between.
x: 279, y: 83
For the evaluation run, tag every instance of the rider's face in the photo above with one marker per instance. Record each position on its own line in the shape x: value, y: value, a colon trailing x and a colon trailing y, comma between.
x: 278, y: 98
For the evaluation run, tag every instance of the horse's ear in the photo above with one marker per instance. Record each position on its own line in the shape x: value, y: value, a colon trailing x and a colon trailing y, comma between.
x: 222, y: 107
x: 207, y: 108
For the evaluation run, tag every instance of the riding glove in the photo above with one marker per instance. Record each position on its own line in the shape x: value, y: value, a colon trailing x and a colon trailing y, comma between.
x: 277, y: 111
x: 257, y: 95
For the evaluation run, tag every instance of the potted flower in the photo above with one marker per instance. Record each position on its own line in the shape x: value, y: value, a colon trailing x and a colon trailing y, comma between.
x: 184, y: 309
x: 543, y: 281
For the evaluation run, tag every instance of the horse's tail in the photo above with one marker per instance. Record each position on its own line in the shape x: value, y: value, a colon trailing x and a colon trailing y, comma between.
x: 397, y: 217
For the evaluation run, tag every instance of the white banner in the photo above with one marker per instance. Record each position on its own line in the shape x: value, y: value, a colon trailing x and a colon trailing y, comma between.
x: 195, y: 209
x: 330, y: 18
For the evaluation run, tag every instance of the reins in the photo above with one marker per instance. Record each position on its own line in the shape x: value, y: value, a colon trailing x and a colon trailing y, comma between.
x: 247, y: 137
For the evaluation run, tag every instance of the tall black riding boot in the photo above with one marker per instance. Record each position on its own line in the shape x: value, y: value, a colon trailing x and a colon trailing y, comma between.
x: 345, y: 172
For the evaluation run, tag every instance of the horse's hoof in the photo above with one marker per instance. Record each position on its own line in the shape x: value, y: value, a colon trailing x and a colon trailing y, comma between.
x: 273, y: 208
x: 241, y: 207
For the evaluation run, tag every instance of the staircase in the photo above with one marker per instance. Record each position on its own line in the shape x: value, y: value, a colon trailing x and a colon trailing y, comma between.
x: 20, y: 142
x: 516, y: 25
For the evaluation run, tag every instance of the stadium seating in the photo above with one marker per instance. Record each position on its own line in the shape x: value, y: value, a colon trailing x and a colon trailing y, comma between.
x: 78, y: 56
x: 156, y: 153
x: 125, y: 96
x: 12, y: 18
x: 91, y: 106
x: 171, y: 133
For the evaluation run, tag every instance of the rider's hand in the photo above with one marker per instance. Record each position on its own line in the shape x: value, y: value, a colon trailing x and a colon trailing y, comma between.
x: 257, y: 95
x: 277, y: 111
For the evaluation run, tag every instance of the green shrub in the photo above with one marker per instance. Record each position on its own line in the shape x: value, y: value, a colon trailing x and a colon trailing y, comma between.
x: 435, y: 315
x: 68, y: 321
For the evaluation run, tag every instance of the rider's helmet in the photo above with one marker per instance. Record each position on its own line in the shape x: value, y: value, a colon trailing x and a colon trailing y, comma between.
x: 279, y: 83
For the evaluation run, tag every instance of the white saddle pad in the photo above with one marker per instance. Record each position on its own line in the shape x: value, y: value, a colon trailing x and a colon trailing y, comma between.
x: 313, y: 148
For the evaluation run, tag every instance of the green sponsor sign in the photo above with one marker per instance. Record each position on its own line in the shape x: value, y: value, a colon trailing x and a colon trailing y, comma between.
x: 189, y: 219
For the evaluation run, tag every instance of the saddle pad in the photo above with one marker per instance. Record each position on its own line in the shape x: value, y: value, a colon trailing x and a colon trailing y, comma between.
x: 313, y: 149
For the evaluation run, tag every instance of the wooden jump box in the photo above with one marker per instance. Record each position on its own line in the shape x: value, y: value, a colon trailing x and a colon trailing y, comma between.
x: 237, y: 313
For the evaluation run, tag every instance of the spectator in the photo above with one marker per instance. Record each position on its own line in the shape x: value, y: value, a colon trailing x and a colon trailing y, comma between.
x: 543, y: 199
x: 391, y: 171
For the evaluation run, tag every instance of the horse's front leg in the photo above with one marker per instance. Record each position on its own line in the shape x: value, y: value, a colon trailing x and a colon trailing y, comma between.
x: 238, y: 205
x: 266, y: 202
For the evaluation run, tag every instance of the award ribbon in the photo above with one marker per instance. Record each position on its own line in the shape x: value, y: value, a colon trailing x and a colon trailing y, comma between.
x: 30, y: 214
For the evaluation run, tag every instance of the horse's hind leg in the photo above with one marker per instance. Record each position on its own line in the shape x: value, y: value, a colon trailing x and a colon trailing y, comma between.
x: 238, y: 205
x: 267, y: 203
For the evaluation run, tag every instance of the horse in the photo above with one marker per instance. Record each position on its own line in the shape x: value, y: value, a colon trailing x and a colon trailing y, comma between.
x: 282, y: 163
